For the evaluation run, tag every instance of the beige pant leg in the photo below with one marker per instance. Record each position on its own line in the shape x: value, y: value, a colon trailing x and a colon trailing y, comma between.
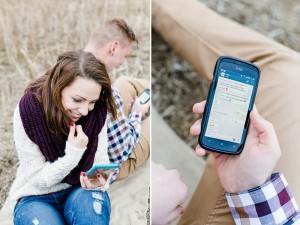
x: 200, y: 36
x: 129, y: 88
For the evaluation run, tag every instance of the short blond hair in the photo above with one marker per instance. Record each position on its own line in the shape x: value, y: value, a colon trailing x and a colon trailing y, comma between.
x: 114, y: 29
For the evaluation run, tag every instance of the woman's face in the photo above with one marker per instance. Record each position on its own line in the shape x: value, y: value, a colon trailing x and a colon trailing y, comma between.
x: 80, y: 97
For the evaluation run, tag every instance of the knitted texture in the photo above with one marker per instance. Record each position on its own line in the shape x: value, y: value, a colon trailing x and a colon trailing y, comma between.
x: 53, y: 146
x: 35, y: 176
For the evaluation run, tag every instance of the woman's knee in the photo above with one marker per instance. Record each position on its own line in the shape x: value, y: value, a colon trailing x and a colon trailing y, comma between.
x: 88, y: 207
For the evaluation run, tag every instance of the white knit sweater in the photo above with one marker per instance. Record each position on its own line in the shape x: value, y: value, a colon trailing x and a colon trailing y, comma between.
x: 36, y: 176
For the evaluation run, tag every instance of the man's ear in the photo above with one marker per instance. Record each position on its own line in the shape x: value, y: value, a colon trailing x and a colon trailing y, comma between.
x: 113, y: 47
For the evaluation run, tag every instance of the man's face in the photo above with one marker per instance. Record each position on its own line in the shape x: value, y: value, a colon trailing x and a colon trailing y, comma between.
x: 118, y: 57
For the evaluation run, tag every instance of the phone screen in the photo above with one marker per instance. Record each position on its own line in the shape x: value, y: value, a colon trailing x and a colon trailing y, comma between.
x: 145, y: 96
x: 106, y: 168
x: 230, y: 101
x: 230, y: 106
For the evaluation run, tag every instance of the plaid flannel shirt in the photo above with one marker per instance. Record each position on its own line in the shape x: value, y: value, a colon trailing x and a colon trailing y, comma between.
x: 272, y: 204
x: 123, y: 134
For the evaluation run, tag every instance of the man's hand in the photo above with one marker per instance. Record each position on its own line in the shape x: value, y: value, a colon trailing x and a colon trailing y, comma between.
x: 167, y: 195
x: 138, y: 107
x: 256, y: 162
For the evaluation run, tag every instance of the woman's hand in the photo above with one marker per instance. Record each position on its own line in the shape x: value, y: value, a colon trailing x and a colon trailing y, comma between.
x: 77, y: 137
x: 255, y: 164
x: 92, y: 183
x: 168, y: 194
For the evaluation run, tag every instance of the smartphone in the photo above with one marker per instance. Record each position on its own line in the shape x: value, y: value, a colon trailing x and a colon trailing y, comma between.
x: 107, y: 168
x: 144, y: 97
x: 229, y: 103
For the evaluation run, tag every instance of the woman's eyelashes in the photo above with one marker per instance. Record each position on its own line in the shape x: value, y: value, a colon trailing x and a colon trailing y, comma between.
x: 81, y: 100
x: 77, y: 100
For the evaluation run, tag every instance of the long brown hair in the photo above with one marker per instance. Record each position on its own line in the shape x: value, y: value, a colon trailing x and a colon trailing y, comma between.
x: 70, y: 65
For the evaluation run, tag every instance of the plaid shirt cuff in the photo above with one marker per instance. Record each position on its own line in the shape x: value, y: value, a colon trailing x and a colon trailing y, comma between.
x: 135, y: 117
x: 271, y: 203
x: 113, y: 176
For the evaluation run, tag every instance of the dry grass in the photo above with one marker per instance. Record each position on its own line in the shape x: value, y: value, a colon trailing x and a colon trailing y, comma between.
x: 175, y: 84
x: 32, y: 35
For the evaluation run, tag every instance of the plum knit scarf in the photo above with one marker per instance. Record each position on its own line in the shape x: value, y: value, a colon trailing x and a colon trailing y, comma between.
x: 53, y: 146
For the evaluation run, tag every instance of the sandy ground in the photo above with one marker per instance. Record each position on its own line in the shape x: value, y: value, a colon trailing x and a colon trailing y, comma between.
x: 129, y: 198
x: 31, y: 38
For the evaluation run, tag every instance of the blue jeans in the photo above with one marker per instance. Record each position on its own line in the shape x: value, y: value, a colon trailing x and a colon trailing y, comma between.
x: 73, y: 205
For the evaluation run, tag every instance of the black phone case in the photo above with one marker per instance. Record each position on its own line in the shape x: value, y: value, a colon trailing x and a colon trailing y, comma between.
x: 209, y: 102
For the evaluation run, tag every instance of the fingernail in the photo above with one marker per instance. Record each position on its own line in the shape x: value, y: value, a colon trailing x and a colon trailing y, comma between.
x: 71, y: 124
x: 83, y: 174
x: 98, y: 175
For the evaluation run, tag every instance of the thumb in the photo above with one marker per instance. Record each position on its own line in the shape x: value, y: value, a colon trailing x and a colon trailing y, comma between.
x: 101, y: 179
x: 260, y: 124
x: 264, y: 128
x: 175, y: 213
x: 136, y: 100
x: 72, y: 130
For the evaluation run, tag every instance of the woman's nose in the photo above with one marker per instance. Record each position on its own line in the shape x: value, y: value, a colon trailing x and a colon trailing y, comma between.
x: 84, y: 110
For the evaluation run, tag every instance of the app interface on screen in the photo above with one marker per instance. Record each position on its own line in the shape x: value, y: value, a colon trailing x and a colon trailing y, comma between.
x: 144, y: 97
x: 230, y: 106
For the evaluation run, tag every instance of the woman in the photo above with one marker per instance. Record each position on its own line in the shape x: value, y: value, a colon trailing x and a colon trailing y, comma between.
x: 60, y: 132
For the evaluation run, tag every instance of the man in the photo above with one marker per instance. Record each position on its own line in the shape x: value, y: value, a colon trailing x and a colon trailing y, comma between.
x: 128, y: 135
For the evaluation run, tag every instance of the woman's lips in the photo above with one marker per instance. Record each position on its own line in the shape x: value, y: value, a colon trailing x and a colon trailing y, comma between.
x: 74, y: 115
